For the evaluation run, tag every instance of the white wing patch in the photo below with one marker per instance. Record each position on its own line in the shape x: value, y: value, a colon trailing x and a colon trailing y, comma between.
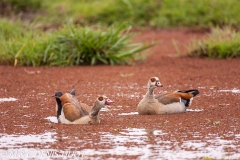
x: 190, y: 101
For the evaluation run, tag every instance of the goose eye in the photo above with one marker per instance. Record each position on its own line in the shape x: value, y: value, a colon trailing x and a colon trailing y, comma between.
x: 100, y: 98
x: 153, y: 79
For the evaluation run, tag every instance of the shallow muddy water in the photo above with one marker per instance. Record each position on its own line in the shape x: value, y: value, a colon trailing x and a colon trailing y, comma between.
x: 144, y: 144
x: 209, y: 129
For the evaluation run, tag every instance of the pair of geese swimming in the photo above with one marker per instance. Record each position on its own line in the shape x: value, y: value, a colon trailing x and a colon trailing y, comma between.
x: 71, y: 111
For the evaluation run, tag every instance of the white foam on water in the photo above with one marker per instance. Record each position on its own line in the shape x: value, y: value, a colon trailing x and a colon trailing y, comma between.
x: 7, y: 99
x: 22, y: 126
x: 116, y: 108
x: 134, y: 131
x: 194, y: 110
x: 202, y: 87
x: 52, y: 119
x: 130, y: 96
x: 106, y: 108
x: 234, y: 90
x: 126, y: 114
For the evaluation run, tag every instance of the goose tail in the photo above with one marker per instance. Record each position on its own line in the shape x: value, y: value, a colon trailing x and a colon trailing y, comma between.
x: 194, y: 92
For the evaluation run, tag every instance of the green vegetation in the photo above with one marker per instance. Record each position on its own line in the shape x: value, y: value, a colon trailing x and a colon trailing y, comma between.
x: 68, y: 46
x: 202, y: 14
x: 135, y: 12
x: 221, y: 43
x: 65, y: 32
x: 21, y: 5
x: 77, y: 45
x: 148, y: 13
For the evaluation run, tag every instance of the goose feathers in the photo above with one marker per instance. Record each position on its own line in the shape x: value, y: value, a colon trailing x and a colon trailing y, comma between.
x: 184, y: 96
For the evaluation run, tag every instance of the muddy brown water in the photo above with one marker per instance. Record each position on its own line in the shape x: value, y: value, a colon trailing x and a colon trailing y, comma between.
x: 209, y: 129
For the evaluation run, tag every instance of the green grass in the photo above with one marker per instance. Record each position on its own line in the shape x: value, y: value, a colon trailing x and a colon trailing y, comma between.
x: 135, y: 12
x: 77, y: 45
x: 138, y: 13
x: 45, y: 39
x: 201, y: 14
x: 70, y: 45
x: 146, y: 13
x: 221, y: 43
x: 12, y: 36
x: 22, y: 5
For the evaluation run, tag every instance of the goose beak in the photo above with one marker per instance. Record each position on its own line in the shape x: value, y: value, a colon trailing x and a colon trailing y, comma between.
x: 158, y: 84
x: 109, y: 102
x: 57, y: 95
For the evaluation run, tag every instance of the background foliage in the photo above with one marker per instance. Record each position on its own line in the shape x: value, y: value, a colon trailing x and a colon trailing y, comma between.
x: 83, y: 32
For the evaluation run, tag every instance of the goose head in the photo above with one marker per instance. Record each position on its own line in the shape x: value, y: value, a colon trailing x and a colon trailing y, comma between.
x: 58, y: 101
x: 154, y: 82
x: 57, y: 96
x: 100, y: 102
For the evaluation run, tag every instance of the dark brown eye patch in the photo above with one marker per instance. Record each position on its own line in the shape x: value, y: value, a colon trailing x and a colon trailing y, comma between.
x: 100, y: 98
x: 153, y: 79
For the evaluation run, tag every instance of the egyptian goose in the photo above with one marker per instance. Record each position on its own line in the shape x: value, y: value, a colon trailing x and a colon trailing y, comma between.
x: 92, y: 117
x: 165, y: 103
x: 68, y: 107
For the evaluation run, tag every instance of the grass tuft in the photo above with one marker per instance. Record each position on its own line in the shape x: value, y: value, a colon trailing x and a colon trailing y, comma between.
x: 86, y: 46
x: 70, y: 46
x: 221, y: 43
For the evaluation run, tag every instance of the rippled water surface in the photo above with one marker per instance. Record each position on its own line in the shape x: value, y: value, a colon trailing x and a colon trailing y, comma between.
x: 13, y: 140
x: 210, y: 145
x: 145, y: 144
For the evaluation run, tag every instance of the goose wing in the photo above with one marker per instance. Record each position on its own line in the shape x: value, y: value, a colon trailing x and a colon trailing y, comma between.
x: 168, y: 98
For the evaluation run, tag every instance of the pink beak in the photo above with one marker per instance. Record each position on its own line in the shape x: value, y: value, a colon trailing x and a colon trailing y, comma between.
x: 158, y: 84
x: 109, y: 101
